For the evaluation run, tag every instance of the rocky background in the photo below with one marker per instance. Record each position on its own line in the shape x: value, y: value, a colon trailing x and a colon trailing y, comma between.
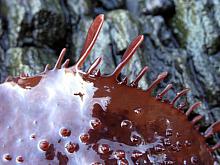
x: 181, y: 37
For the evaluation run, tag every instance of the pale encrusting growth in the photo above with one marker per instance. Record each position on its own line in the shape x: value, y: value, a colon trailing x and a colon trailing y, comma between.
x: 29, y: 116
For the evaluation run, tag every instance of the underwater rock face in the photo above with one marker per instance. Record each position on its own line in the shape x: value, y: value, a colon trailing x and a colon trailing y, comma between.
x: 172, y: 43
x: 27, y: 58
x: 1, y: 27
x: 196, y: 24
x: 158, y: 7
x: 30, y: 21
x: 112, y: 4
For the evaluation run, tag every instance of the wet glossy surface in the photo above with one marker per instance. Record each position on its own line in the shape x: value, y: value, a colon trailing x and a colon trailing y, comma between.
x: 145, y: 130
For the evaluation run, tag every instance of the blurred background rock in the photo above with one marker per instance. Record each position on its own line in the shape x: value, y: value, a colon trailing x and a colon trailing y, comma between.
x: 181, y: 37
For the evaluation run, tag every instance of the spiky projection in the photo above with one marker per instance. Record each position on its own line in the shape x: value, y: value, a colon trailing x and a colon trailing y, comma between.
x: 67, y: 116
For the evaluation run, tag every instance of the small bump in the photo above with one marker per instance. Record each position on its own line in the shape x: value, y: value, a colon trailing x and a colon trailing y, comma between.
x: 126, y: 124
x: 194, y: 160
x: 7, y: 157
x: 44, y: 145
x: 159, y: 148
x: 19, y: 159
x: 20, y: 140
x: 178, y: 134
x: 135, y: 139
x: 175, y: 148
x: 167, y: 142
x: 104, y: 148
x: 95, y: 124
x: 72, y: 147
x: 119, y: 154
x: 64, y: 132
x: 9, y: 127
x: 169, y: 132
x: 187, y: 143
x: 169, y: 162
x: 138, y: 111
x: 33, y: 136
x: 35, y: 122
x: 84, y: 138
x: 136, y: 154
x: 179, y: 144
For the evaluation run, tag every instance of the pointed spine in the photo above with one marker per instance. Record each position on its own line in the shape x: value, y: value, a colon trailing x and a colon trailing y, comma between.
x: 215, y: 147
x: 161, y: 94
x: 178, y: 95
x: 160, y: 78
x: 193, y: 108
x: 196, y: 119
x: 46, y: 69
x: 92, y: 35
x: 66, y: 63
x: 139, y: 76
x: 128, y: 54
x: 214, y: 128
x: 60, y: 59
x: 94, y: 65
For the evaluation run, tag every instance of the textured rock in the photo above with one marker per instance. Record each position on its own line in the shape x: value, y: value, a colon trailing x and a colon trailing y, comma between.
x: 14, y: 12
x: 149, y: 7
x: 1, y: 27
x: 158, y: 7
x: 111, y: 4
x: 3, y: 73
x: 124, y: 28
x: 33, y: 22
x: 160, y: 51
x: 196, y: 26
x: 27, y: 60
x: 78, y: 7
x: 47, y: 28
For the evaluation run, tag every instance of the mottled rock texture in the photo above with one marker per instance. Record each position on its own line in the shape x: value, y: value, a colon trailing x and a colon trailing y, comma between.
x: 181, y: 37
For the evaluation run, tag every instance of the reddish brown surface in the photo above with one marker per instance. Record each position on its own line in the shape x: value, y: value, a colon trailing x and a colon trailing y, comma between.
x: 149, y: 120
